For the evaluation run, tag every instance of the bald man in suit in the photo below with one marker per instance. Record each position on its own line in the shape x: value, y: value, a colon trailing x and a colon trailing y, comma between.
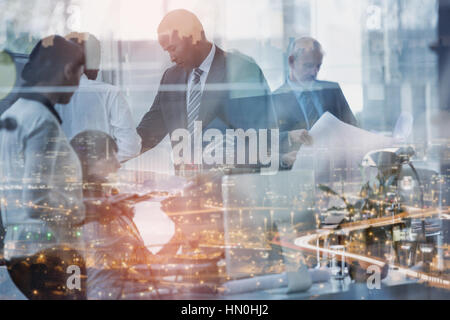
x: 222, y: 90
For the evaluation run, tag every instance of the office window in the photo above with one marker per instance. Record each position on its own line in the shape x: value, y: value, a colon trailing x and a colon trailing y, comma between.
x: 338, y: 216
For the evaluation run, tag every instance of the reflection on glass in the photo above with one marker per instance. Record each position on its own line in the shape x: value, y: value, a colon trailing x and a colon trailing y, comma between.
x: 331, y: 179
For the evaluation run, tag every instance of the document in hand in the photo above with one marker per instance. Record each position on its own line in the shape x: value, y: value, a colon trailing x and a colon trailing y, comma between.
x: 338, y: 150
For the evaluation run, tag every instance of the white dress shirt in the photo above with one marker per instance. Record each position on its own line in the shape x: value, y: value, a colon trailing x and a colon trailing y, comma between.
x: 100, y: 106
x: 40, y: 186
x: 205, y: 67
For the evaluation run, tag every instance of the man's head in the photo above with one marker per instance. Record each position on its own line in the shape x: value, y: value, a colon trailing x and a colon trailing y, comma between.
x: 181, y: 34
x: 92, y: 50
x: 97, y: 152
x: 55, y: 62
x: 305, y: 59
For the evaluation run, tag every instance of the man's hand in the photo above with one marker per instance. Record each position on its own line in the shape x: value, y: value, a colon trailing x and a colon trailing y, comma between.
x: 288, y: 159
x: 299, y: 137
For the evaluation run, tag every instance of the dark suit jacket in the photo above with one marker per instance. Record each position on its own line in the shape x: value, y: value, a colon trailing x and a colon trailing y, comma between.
x: 290, y: 115
x: 236, y: 96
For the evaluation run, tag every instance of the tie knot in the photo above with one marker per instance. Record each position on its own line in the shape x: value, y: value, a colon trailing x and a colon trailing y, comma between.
x: 198, y: 73
x: 306, y: 95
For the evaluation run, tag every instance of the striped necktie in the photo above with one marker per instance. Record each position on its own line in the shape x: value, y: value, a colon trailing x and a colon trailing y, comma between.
x: 311, y: 113
x: 195, y: 99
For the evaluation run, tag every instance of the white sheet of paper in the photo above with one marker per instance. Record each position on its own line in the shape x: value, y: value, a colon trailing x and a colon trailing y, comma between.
x: 159, y: 159
x: 338, y: 148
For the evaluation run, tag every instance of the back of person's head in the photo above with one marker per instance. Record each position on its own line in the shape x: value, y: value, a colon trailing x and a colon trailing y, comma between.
x: 91, y: 46
x: 96, y: 150
x: 181, y: 23
x: 51, y: 59
x: 305, y: 45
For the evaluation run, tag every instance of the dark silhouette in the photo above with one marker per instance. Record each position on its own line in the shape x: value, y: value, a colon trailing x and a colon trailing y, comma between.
x: 40, y: 240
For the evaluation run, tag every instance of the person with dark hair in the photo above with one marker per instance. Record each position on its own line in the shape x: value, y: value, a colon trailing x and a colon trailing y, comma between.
x: 114, y: 244
x: 40, y: 189
x: 97, y: 105
x: 54, y: 62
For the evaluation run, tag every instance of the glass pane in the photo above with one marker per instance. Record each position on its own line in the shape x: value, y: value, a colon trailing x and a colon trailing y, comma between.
x: 263, y: 149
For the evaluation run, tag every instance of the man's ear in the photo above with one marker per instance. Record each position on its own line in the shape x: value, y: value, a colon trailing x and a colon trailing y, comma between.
x: 203, y: 36
x: 69, y: 71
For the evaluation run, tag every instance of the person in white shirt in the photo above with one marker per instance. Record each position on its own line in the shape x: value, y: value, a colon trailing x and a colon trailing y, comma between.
x: 99, y: 106
x: 40, y: 185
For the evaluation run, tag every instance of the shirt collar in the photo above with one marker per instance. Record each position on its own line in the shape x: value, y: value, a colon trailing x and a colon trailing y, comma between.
x: 206, y: 64
x: 84, y: 78
x: 34, y: 96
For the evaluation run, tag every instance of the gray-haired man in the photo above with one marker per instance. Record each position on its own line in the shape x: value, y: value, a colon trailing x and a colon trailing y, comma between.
x: 302, y: 100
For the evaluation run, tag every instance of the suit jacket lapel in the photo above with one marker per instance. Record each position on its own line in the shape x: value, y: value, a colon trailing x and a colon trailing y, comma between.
x: 291, y: 109
x: 323, y: 97
x: 179, y: 104
x: 212, y: 97
x: 318, y: 96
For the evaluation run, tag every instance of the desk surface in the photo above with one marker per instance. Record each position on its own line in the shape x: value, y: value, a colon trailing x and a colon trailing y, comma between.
x: 326, y: 291
x: 356, y: 291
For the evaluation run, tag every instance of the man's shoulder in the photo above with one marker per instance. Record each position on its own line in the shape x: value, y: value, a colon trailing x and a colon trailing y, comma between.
x: 238, y: 60
x: 29, y: 114
x: 284, y: 97
x: 319, y: 85
x: 172, y: 74
x: 327, y: 85
x: 175, y: 69
x: 24, y: 107
x: 284, y: 89
x: 97, y: 92
x: 97, y: 86
x: 242, y: 68
x: 237, y: 57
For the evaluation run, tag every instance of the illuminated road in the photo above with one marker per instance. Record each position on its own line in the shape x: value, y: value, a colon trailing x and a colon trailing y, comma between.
x: 310, y: 243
